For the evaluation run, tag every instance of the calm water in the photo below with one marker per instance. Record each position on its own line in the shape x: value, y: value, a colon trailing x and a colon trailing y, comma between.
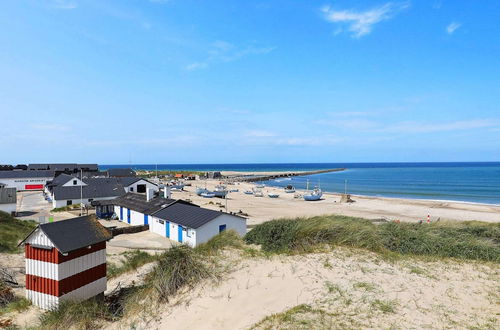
x: 472, y: 182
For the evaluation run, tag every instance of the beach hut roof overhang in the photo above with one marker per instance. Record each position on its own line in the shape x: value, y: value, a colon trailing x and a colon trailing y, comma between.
x: 139, y: 203
x: 73, y: 234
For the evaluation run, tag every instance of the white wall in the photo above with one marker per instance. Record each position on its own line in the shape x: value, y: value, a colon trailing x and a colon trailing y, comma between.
x: 194, y: 237
x: 9, y: 208
x: 63, y: 202
x: 71, y: 184
x: 211, y: 229
x: 148, y: 186
x: 20, y: 183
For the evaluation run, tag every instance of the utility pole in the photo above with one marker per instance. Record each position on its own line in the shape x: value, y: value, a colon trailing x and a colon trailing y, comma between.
x: 81, y: 192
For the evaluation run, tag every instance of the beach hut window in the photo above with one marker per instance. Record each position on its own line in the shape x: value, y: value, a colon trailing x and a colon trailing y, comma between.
x: 162, y: 222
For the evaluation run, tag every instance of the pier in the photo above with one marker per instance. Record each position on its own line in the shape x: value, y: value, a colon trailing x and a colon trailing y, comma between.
x: 255, y: 178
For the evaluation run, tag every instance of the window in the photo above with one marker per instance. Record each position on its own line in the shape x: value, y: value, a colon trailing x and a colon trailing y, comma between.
x: 141, y: 188
x: 162, y: 222
x: 69, y: 202
x: 74, y: 182
x: 222, y: 228
x: 131, y: 188
x: 189, y: 232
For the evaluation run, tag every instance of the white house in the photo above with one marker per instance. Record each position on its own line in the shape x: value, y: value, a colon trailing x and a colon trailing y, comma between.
x: 177, y: 220
x: 8, y: 199
x: 67, y: 189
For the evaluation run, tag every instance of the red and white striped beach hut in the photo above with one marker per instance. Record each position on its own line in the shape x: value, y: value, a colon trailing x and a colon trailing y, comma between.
x: 65, y: 260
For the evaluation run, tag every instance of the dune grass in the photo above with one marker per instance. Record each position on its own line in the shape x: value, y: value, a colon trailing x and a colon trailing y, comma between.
x: 66, y: 208
x: 132, y: 260
x: 463, y: 240
x: 13, y: 230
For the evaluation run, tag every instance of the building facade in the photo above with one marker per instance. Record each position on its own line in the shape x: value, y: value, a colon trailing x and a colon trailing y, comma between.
x: 65, y: 260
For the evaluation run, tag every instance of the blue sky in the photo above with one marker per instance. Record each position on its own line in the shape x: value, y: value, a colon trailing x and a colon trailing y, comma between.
x: 249, y: 81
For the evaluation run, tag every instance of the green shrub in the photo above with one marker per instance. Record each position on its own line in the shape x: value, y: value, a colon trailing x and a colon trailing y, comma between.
x: 464, y: 240
x: 13, y: 230
x: 66, y: 208
x: 274, y: 235
x: 177, y: 268
x: 76, y: 315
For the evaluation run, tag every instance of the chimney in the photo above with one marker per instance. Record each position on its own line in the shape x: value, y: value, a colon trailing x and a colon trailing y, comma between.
x: 149, y: 194
x: 166, y: 192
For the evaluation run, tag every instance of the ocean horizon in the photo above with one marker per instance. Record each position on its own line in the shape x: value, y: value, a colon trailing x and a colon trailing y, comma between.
x: 477, y: 182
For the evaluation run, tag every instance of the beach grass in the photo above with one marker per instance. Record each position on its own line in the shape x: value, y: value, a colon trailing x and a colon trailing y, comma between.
x: 471, y: 240
x: 132, y: 261
x: 12, y: 231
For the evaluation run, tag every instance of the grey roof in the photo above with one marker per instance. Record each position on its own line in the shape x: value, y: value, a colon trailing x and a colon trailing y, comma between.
x: 89, y: 191
x: 188, y: 215
x: 8, y: 195
x: 137, y: 202
x: 72, y: 234
x: 61, y: 179
x: 101, y: 181
x: 121, y: 172
x: 38, y: 166
x: 63, y: 167
x: 26, y: 174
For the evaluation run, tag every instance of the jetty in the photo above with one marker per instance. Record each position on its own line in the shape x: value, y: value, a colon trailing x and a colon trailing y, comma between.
x: 255, y: 178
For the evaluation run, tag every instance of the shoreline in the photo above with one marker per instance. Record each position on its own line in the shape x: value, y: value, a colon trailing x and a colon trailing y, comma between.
x: 261, y: 209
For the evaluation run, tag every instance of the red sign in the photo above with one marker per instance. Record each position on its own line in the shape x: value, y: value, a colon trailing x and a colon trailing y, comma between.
x: 33, y: 186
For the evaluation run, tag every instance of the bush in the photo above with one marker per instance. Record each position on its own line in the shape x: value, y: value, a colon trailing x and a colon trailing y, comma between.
x: 275, y: 235
x: 76, y: 315
x: 464, y: 240
x: 66, y: 208
x: 177, y: 268
x: 13, y: 230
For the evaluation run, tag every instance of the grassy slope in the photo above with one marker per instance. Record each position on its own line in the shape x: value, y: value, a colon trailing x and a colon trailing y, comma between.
x: 12, y: 231
x: 464, y: 240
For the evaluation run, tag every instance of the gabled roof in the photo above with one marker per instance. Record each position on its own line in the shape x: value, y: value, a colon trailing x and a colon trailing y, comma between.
x: 72, y: 234
x: 138, y: 203
x: 89, y: 191
x: 189, y: 215
x: 62, y: 179
x: 26, y: 174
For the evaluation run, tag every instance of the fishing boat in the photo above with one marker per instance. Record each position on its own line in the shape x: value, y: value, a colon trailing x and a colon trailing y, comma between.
x: 248, y: 192
x: 176, y: 185
x: 260, y: 185
x: 208, y: 194
x: 220, y: 191
x: 289, y: 189
x: 314, y: 195
x: 200, y: 190
x: 258, y: 192
x: 271, y: 195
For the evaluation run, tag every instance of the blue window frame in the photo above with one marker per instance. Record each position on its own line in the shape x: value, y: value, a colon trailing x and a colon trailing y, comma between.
x: 128, y: 215
x: 146, y: 220
x: 167, y: 229
x: 222, y: 228
x: 121, y: 213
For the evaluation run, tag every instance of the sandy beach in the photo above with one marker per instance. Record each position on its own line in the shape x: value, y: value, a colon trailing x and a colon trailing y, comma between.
x: 261, y: 209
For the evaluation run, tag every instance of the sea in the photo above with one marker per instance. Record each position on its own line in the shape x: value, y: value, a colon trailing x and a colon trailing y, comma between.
x: 477, y: 182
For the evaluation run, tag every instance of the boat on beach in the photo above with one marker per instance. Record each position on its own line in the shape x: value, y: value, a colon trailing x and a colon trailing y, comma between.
x: 258, y: 192
x: 248, y: 192
x: 208, y: 194
x: 289, y: 189
x: 200, y: 190
x: 220, y: 191
x: 314, y: 195
x: 260, y: 185
x: 271, y: 195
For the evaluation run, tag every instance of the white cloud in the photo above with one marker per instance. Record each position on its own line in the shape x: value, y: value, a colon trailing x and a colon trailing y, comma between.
x: 63, y: 4
x: 222, y: 51
x: 361, y: 23
x: 196, y: 66
x: 452, y: 27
